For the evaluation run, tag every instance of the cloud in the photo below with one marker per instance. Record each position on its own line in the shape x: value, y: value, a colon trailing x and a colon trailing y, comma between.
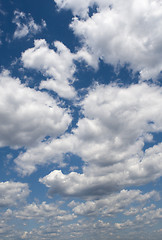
x: 58, y: 65
x: 126, y: 224
x: 40, y: 212
x: 135, y: 210
x: 81, y: 7
x: 12, y: 193
x: 119, y: 33
x: 27, y: 116
x: 108, y: 143
x: 150, y: 216
x: 25, y: 25
x: 114, y: 203
x: 48, y: 217
x: 43, y: 153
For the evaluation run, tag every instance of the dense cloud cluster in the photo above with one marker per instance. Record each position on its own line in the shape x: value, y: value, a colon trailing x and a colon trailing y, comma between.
x: 27, y: 115
x: 82, y: 158
x: 12, y: 193
x: 107, y: 142
x: 125, y: 32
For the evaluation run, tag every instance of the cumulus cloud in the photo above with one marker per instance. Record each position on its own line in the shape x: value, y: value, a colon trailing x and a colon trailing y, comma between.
x: 57, y: 65
x: 148, y: 217
x: 12, y: 193
x: 119, y: 33
x: 41, y: 212
x: 25, y: 25
x: 108, y: 143
x: 135, y: 210
x: 27, y: 116
x: 113, y: 204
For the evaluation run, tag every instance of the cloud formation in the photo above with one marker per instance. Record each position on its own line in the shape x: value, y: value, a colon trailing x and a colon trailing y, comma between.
x: 81, y: 7
x: 27, y: 116
x: 43, y: 211
x: 119, y: 33
x: 25, y: 25
x: 107, y: 142
x: 87, y: 148
x: 12, y: 193
x: 58, y: 65
x: 113, y: 204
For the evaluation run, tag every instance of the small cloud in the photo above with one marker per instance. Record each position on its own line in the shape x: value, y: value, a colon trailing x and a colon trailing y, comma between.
x: 24, y: 235
x: 25, y: 25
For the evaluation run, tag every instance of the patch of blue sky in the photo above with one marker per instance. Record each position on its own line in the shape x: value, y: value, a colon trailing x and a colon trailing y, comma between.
x: 157, y: 137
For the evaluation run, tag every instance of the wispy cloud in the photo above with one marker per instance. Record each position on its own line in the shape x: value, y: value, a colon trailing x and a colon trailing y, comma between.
x: 25, y: 25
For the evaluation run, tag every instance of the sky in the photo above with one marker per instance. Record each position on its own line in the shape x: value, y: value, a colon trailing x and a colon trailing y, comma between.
x: 80, y: 119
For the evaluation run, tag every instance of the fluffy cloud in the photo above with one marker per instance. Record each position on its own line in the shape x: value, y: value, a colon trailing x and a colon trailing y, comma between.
x: 58, y: 65
x: 108, y: 143
x: 114, y: 203
x: 27, y: 116
x: 25, y: 25
x: 12, y: 193
x: 119, y: 33
x: 148, y: 217
x: 43, y: 212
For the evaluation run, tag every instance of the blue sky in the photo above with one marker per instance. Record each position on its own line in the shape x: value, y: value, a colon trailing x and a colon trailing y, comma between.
x: 80, y: 119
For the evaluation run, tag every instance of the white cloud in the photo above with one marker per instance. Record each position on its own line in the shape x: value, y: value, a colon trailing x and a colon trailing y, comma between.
x: 40, y: 212
x: 139, y: 209
x: 67, y: 217
x: 126, y: 224
x: 150, y: 216
x: 128, y: 32
x: 80, y: 7
x: 114, y: 203
x: 45, y: 152
x: 27, y: 116
x: 12, y: 193
x: 49, y: 218
x: 109, y: 143
x: 25, y: 25
x: 58, y: 65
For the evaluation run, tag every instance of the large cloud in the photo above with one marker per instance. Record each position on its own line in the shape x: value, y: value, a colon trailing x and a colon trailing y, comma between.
x: 12, y: 193
x: 27, y: 116
x: 124, y: 32
x: 117, y: 123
